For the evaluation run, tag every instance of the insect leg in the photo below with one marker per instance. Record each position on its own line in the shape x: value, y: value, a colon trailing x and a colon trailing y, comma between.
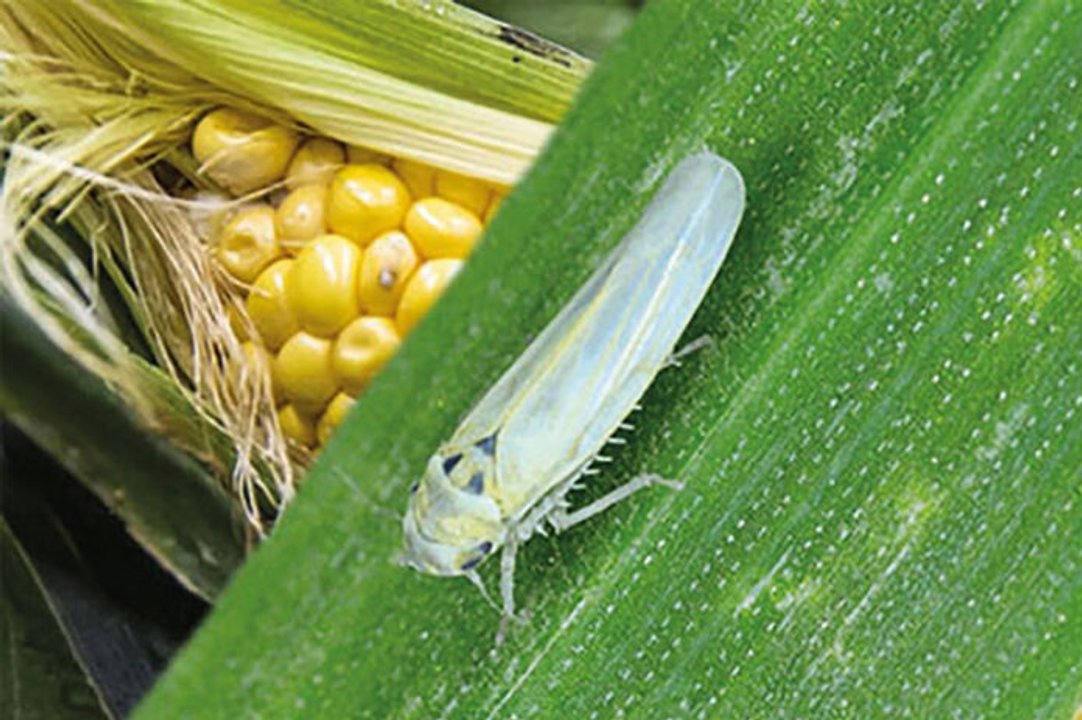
x: 507, y: 586
x: 562, y: 520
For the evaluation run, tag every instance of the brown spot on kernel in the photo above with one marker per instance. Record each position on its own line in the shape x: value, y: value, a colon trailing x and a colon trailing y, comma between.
x: 387, y: 278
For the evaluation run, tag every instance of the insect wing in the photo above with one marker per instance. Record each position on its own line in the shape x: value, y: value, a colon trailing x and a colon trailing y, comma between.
x: 559, y: 403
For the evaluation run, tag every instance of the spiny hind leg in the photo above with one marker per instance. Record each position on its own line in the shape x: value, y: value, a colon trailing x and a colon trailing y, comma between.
x: 561, y: 519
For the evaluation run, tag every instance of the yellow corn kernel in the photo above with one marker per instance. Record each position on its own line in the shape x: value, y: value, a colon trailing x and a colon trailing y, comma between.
x: 241, y: 151
x: 316, y: 161
x: 386, y: 268
x: 322, y: 285
x: 269, y: 307
x: 254, y: 354
x: 468, y: 192
x: 419, y: 178
x: 301, y: 216
x: 277, y: 392
x: 423, y: 289
x: 357, y: 155
x: 332, y: 417
x: 303, y: 370
x: 296, y: 426
x: 493, y: 207
x: 361, y: 351
x: 248, y: 243
x: 366, y: 201
x: 442, y: 229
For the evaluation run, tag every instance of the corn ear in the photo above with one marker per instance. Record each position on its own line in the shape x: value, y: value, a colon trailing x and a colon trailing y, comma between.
x: 98, y: 95
x: 336, y: 271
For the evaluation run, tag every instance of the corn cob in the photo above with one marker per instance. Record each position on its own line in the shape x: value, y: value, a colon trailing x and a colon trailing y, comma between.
x: 339, y: 259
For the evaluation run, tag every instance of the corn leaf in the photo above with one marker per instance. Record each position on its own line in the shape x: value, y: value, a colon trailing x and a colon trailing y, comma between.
x: 40, y: 676
x: 85, y: 604
x: 882, y: 451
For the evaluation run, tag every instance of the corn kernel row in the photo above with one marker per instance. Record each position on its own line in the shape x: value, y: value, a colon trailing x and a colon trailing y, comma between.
x: 344, y: 265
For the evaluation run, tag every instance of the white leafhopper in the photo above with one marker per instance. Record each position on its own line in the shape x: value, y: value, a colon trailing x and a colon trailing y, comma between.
x: 508, y: 468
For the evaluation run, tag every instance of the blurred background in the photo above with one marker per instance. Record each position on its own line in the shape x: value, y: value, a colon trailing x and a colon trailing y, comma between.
x: 586, y: 27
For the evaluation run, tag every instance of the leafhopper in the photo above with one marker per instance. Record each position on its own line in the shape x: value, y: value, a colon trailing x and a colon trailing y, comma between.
x: 506, y: 471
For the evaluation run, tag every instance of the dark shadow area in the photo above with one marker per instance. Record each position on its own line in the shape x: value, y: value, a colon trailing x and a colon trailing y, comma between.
x: 124, y: 615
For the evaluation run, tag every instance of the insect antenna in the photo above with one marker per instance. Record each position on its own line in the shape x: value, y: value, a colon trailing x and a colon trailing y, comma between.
x: 678, y: 355
x: 474, y: 577
x: 378, y: 508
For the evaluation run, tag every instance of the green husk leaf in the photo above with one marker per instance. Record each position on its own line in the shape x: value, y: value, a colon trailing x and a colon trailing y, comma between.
x: 882, y: 452
x: 169, y: 502
x: 439, y: 45
x: 433, y: 82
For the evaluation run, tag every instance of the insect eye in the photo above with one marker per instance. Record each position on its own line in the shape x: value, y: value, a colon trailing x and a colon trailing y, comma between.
x: 485, y: 548
x: 471, y: 563
x: 449, y: 463
x: 413, y: 488
x: 476, y: 485
x: 487, y: 445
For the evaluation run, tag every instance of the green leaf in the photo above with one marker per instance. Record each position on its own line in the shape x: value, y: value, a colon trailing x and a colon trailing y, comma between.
x: 40, y: 676
x: 114, y: 613
x: 882, y: 451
